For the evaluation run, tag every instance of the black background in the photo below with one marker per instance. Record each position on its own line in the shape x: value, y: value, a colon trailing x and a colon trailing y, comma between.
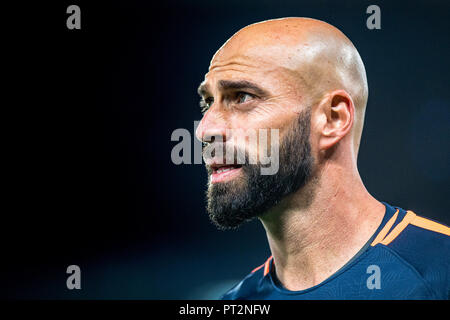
x: 88, y: 116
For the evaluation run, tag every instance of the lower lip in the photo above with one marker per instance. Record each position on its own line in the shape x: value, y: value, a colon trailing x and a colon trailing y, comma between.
x: 225, y: 176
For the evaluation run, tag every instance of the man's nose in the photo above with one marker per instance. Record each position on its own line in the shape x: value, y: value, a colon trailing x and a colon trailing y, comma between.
x: 211, y: 128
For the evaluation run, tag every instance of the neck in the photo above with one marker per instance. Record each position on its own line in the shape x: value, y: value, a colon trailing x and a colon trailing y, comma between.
x: 315, y: 231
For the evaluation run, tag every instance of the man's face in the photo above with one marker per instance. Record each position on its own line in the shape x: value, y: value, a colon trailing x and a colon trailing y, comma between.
x: 243, y: 94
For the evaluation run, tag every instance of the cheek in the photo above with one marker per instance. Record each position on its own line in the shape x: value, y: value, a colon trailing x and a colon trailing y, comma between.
x: 261, y: 131
x: 266, y: 115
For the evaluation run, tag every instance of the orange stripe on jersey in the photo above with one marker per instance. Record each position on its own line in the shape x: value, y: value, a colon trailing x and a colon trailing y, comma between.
x: 385, y: 230
x: 430, y: 225
x: 267, y: 266
x: 257, y: 268
x: 399, y: 228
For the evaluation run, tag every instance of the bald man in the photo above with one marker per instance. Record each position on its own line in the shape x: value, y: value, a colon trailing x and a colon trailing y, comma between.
x: 329, y: 238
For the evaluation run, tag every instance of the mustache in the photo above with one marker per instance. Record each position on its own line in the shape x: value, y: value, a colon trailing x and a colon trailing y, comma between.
x: 223, y: 153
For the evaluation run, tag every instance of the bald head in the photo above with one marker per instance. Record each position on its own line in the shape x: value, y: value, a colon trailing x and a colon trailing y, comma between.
x: 313, y: 57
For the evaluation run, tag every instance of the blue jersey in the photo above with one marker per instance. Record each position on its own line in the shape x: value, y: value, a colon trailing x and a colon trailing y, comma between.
x: 408, y: 257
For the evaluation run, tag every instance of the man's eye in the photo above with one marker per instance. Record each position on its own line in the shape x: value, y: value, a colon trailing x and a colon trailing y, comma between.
x: 243, y: 97
x: 206, y: 103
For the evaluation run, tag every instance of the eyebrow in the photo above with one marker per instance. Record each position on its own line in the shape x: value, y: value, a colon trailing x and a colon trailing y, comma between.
x: 203, y: 89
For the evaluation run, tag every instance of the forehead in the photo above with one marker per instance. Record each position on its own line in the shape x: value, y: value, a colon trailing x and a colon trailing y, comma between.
x: 264, y: 53
x: 227, y: 60
x: 249, y: 65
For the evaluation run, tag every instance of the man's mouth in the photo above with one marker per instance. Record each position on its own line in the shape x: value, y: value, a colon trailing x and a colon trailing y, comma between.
x: 224, y: 173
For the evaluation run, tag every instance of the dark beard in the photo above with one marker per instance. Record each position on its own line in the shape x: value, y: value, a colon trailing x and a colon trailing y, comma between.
x: 232, y: 203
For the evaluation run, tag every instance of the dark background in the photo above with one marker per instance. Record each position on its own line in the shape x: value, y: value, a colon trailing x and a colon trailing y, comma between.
x: 88, y: 178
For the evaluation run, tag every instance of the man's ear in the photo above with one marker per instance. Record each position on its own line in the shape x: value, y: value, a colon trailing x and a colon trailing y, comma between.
x: 337, y: 114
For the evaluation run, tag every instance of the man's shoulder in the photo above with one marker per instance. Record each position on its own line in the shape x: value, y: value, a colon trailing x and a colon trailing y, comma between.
x: 423, y: 245
x: 247, y: 288
x: 243, y: 289
x: 417, y: 236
